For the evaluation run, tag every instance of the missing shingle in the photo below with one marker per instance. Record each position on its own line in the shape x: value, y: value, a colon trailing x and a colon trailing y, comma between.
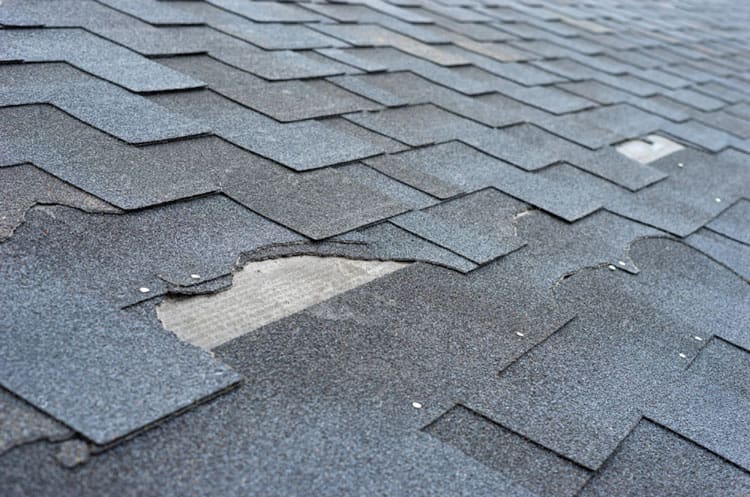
x: 649, y: 149
x: 263, y: 292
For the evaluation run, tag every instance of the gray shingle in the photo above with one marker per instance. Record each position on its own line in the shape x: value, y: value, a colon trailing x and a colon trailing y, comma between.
x: 695, y: 99
x: 125, y: 176
x: 364, y: 35
x: 105, y: 106
x: 734, y: 222
x: 731, y: 253
x: 300, y: 145
x: 284, y: 100
x: 271, y: 36
x: 524, y: 462
x: 144, y: 373
x: 453, y: 168
x: 715, y: 387
x: 21, y: 424
x: 532, y: 148
x: 23, y: 186
x: 652, y: 459
x: 268, y: 11
x: 418, y: 125
x: 318, y: 204
x: 477, y: 226
x: 93, y: 55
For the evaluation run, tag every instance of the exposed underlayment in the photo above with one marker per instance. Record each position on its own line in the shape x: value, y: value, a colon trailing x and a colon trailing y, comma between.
x: 375, y: 247
x: 651, y: 148
x: 263, y: 292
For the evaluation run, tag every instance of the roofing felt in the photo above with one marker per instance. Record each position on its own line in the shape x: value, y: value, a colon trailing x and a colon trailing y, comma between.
x: 569, y: 181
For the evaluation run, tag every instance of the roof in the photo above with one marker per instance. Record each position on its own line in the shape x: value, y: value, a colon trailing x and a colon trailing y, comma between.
x: 370, y: 247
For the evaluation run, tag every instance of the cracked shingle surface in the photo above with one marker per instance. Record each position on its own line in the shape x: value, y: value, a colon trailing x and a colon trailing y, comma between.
x: 571, y: 321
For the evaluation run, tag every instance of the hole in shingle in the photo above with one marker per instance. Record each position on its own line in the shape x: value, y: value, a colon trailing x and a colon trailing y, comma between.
x: 263, y: 292
x: 649, y: 149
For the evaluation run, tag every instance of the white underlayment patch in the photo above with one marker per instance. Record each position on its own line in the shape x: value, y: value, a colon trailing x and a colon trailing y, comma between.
x: 649, y: 149
x: 263, y: 292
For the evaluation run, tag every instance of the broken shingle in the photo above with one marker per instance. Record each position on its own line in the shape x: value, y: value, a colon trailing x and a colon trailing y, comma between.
x: 23, y: 186
x: 144, y: 373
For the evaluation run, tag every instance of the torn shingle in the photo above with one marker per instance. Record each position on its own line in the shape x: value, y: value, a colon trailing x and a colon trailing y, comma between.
x: 263, y: 292
x: 560, y: 291
x: 23, y: 186
x: 647, y: 342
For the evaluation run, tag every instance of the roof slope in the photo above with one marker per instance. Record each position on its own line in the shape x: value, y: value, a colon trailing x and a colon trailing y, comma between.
x: 571, y: 180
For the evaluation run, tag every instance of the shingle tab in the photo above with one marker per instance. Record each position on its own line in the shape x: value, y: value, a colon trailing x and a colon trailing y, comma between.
x: 300, y: 145
x: 283, y: 100
x: 476, y: 226
x: 93, y: 55
x: 105, y: 106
